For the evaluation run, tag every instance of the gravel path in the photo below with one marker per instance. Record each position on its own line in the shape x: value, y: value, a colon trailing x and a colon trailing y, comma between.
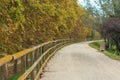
x: 81, y: 62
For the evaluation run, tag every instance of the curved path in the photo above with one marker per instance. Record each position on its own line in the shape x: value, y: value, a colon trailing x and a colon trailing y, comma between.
x: 81, y: 62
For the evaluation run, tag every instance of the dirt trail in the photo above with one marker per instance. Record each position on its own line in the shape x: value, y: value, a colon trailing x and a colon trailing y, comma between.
x: 81, y: 62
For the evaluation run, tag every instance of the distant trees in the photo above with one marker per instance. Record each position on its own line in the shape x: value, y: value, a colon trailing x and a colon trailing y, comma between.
x: 103, y: 9
x: 110, y: 31
x: 107, y: 12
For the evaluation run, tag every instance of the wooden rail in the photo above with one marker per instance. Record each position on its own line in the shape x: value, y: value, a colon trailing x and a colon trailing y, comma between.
x: 29, y: 63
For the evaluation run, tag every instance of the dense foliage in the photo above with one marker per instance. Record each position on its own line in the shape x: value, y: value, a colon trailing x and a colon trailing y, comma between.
x: 24, y: 23
x: 110, y: 30
x: 108, y: 14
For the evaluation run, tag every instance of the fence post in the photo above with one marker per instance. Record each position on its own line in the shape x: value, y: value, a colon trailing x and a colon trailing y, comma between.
x: 24, y: 65
x: 32, y: 61
x: 38, y: 55
x: 43, y: 50
x: 4, y: 72
x: 15, y: 66
x: 27, y: 57
x: 1, y: 73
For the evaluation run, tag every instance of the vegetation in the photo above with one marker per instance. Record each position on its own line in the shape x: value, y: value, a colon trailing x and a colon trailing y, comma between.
x: 24, y: 23
x: 110, y: 30
x: 104, y: 9
x: 109, y: 53
x: 108, y: 14
x: 15, y: 77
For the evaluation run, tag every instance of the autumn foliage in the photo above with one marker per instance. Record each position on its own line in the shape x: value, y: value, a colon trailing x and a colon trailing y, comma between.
x: 24, y: 23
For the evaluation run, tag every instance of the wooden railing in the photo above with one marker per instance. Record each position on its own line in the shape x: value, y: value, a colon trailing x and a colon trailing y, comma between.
x: 29, y: 63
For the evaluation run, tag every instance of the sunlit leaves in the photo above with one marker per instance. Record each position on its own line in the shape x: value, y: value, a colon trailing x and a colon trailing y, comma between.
x: 24, y: 23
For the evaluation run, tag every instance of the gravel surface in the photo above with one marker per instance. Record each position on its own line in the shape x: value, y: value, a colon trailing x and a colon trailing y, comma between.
x: 81, y: 62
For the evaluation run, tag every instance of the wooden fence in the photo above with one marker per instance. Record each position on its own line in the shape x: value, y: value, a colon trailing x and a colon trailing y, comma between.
x: 29, y: 63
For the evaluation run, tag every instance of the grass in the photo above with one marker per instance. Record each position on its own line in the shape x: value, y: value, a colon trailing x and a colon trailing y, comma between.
x: 109, y: 53
x: 15, y: 77
x: 95, y: 44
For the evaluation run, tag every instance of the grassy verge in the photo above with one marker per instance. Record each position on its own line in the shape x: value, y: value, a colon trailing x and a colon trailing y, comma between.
x: 109, y: 53
x: 15, y: 77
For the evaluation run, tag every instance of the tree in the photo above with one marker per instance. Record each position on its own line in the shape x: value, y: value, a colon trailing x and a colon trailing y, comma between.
x: 24, y: 23
x: 110, y: 30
